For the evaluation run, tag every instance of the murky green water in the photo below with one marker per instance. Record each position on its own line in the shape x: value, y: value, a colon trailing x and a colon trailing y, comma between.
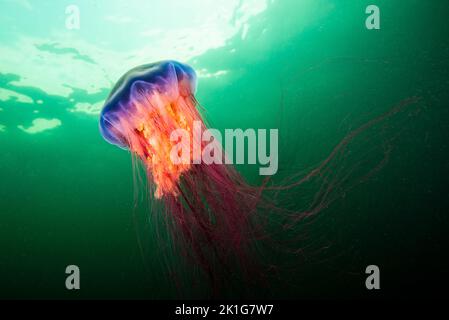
x: 309, y: 68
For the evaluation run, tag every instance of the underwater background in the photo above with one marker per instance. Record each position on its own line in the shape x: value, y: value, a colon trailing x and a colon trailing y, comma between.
x: 308, y: 67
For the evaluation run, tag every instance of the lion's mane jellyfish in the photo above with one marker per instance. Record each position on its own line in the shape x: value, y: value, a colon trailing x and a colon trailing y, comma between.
x: 212, y: 213
x: 208, y: 206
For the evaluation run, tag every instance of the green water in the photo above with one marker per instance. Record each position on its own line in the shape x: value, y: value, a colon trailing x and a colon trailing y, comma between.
x: 309, y: 68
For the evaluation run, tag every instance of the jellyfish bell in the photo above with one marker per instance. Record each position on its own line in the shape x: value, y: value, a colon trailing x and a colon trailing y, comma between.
x: 146, y: 105
x: 168, y: 79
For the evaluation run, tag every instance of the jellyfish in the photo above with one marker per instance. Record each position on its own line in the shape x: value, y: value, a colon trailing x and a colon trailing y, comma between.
x: 211, y: 211
x: 208, y: 206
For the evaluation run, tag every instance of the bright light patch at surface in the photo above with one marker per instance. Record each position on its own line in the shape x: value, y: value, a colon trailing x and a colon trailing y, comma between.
x: 57, y: 60
x: 6, y: 95
x: 92, y: 109
x: 203, y: 73
x: 40, y: 124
